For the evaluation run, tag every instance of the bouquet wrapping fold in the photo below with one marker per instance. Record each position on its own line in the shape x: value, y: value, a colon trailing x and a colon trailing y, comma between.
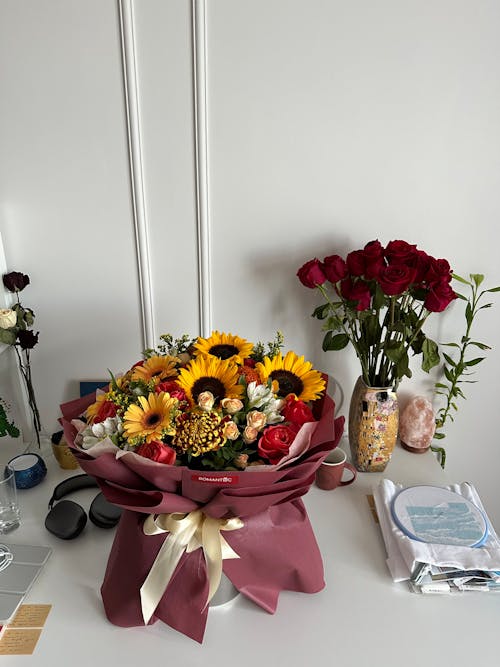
x: 272, y: 548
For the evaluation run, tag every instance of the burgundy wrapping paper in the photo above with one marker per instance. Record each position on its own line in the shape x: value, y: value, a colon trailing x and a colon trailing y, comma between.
x: 276, y: 527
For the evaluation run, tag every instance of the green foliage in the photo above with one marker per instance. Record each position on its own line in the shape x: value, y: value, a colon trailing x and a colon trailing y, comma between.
x: 7, y: 427
x: 170, y: 346
x: 458, y: 365
x: 382, y: 335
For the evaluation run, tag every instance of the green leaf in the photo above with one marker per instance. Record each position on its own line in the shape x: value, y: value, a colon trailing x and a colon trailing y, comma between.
x: 448, y: 375
x: 430, y: 355
x: 371, y: 330
x: 394, y: 350
x: 477, y: 278
x: 493, y: 289
x: 469, y: 315
x: 481, y: 346
x: 441, y: 385
x: 336, y: 342
x: 379, y: 298
x: 321, y: 311
x: 449, y: 360
x: 439, y: 436
x: 474, y: 362
x: 7, y: 336
x: 460, y: 279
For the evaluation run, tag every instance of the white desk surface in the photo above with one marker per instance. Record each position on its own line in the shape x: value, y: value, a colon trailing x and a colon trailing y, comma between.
x: 360, y: 618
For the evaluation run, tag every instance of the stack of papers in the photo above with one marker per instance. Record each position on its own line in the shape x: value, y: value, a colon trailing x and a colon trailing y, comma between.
x: 438, y: 539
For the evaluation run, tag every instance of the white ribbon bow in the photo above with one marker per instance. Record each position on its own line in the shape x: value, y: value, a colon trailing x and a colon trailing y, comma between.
x: 187, y: 532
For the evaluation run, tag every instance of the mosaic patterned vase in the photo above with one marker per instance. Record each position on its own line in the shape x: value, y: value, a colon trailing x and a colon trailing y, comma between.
x: 373, y: 426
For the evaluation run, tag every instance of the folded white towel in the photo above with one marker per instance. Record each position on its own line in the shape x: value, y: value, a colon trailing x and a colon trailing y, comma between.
x: 403, y: 552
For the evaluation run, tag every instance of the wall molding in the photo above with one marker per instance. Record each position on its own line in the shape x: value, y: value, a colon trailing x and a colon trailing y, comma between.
x: 131, y: 91
x: 199, y: 27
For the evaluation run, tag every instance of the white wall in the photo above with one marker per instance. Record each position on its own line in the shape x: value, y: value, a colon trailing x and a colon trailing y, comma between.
x: 328, y: 124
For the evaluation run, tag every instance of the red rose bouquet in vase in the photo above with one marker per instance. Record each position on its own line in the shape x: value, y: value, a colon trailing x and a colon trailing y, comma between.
x: 208, y: 445
x: 378, y: 299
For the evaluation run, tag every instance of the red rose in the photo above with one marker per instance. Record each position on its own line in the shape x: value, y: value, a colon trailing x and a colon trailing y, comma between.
x: 373, y: 267
x: 311, y: 273
x: 356, y: 262
x: 106, y: 409
x: 157, y: 451
x: 373, y: 250
x: 335, y: 268
x: 421, y: 262
x: 439, y: 296
x: 357, y: 292
x: 400, y: 252
x: 396, y: 278
x: 296, y: 411
x: 275, y: 442
x: 439, y: 271
x: 172, y: 388
x: 15, y: 281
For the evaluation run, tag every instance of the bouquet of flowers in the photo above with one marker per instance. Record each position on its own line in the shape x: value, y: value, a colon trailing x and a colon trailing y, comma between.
x: 379, y: 299
x: 201, y: 438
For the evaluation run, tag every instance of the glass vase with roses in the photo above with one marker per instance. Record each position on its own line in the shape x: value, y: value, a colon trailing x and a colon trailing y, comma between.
x: 378, y: 299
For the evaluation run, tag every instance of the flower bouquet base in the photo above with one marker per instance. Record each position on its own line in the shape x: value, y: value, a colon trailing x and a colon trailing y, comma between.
x: 282, y: 534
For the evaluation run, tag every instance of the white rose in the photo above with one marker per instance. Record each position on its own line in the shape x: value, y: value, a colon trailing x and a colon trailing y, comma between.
x: 206, y: 400
x: 250, y: 435
x: 256, y: 419
x: 231, y: 431
x: 232, y: 405
x: 8, y: 318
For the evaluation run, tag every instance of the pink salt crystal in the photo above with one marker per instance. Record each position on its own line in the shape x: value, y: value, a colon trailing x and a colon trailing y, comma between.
x: 417, y: 425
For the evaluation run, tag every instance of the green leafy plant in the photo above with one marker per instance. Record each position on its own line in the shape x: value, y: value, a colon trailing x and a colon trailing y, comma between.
x: 459, y: 366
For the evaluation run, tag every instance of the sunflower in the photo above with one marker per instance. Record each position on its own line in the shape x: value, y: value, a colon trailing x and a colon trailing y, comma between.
x: 151, y: 419
x: 224, y: 346
x: 293, y: 375
x: 207, y: 373
x: 157, y: 368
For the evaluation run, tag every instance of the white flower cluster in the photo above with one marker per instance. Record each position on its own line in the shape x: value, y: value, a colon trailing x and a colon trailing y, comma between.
x: 94, y: 433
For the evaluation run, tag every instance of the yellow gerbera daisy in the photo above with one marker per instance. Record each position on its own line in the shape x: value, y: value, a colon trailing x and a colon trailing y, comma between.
x: 93, y: 409
x: 207, y: 373
x: 151, y: 419
x: 225, y: 346
x: 293, y: 375
x: 157, y: 368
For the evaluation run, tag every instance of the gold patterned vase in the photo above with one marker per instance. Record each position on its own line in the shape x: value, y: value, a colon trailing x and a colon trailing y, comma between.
x: 373, y: 426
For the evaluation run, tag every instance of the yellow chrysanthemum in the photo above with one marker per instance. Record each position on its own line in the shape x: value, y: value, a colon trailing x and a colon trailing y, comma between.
x: 293, y: 375
x: 207, y: 373
x: 157, y: 368
x: 225, y: 346
x: 151, y: 419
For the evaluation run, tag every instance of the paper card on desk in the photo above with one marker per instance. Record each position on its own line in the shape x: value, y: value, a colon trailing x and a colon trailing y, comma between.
x: 31, y: 616
x: 19, y: 642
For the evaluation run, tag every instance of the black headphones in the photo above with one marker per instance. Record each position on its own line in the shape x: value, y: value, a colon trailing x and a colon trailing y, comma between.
x: 67, y: 519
